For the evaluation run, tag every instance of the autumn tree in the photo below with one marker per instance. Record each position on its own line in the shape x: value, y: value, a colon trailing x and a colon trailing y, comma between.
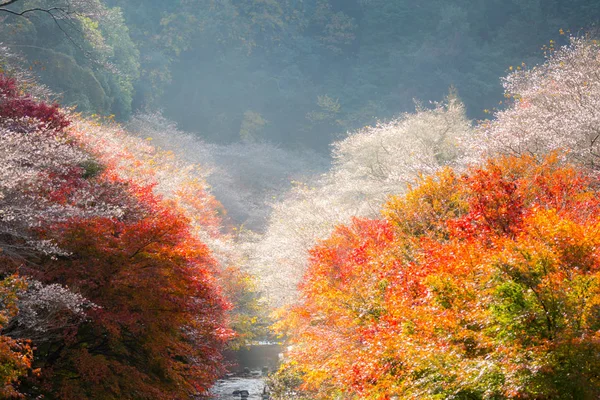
x: 159, y: 325
x: 118, y: 289
x: 477, y: 285
x: 15, y: 354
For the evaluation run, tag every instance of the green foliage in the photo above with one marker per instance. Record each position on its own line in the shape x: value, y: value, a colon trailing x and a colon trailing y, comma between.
x: 252, y: 126
x: 286, y: 382
x: 78, y: 84
x: 124, y: 54
x: 89, y: 59
x: 208, y: 63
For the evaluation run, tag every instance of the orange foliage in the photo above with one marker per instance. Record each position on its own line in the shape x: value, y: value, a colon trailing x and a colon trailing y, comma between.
x: 15, y: 355
x: 485, y: 285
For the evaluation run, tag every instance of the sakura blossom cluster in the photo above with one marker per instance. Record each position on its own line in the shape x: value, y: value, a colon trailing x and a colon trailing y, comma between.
x: 33, y: 168
x: 245, y: 177
x: 369, y: 165
x: 555, y: 107
x: 46, y: 311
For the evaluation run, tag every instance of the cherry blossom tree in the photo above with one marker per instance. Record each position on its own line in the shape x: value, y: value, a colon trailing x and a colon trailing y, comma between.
x: 46, y: 312
x: 553, y: 106
x: 246, y: 177
x: 43, y: 173
x: 369, y: 165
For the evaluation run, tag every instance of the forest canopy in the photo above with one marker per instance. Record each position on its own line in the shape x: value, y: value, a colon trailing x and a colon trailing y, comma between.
x: 290, y: 72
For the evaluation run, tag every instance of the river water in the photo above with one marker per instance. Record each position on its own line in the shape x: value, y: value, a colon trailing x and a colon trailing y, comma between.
x: 224, y: 389
x: 250, y: 363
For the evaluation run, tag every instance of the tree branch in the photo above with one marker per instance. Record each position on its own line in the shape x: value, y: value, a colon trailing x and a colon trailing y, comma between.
x: 65, y: 14
x: 8, y: 3
x: 48, y: 11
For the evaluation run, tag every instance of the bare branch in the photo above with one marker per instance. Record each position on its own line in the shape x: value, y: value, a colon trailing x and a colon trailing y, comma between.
x: 9, y: 2
x: 58, y: 14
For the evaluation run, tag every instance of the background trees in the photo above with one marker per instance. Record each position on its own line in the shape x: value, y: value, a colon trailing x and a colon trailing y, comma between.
x: 81, y: 49
x: 307, y: 70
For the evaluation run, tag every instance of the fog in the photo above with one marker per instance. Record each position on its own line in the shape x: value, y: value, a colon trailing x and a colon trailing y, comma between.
x: 181, y: 178
x: 261, y: 95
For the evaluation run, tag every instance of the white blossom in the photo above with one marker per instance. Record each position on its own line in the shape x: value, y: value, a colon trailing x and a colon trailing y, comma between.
x: 45, y: 311
x: 369, y: 165
x: 556, y: 106
x: 245, y: 177
x: 27, y: 160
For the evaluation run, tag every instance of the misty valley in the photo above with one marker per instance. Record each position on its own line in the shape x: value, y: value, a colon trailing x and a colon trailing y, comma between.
x: 299, y: 199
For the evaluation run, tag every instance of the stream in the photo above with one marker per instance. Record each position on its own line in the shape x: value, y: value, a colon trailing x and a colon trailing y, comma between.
x: 249, y: 367
x: 224, y: 388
